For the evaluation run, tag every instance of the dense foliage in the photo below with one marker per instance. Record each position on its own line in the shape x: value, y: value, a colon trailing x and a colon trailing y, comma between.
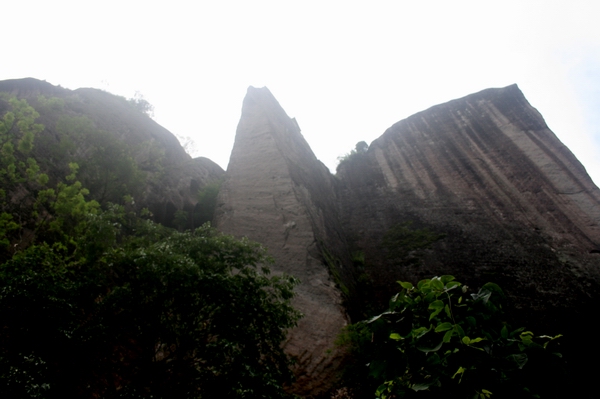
x: 98, y: 301
x: 436, y: 340
x: 360, y: 149
x: 164, y: 313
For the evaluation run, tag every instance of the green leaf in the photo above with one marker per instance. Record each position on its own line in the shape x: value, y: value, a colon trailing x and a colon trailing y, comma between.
x: 461, y: 370
x: 429, y: 297
x: 396, y: 336
x: 504, y: 332
x: 419, y: 332
x: 478, y: 339
x: 448, y: 336
x: 432, y: 315
x: 437, y: 285
x: 483, y: 295
x: 517, y: 331
x: 447, y: 309
x: 380, y: 390
x: 466, y: 340
x: 422, y: 386
x: 423, y: 284
x: 519, y: 358
x: 372, y: 319
x: 444, y: 327
x: 436, y: 305
x: 406, y: 285
x: 428, y: 349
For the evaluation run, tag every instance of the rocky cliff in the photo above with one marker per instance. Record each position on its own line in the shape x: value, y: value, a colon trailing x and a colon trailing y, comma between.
x: 484, y: 172
x: 277, y: 193
x: 483, y: 177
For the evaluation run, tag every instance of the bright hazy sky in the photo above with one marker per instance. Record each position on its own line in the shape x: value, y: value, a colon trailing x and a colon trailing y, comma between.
x: 345, y: 70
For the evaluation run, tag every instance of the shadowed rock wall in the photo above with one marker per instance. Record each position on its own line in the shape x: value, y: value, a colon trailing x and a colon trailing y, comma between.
x: 486, y: 170
x: 515, y: 206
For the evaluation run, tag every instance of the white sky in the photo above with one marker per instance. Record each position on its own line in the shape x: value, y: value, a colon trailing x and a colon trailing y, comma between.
x: 346, y: 70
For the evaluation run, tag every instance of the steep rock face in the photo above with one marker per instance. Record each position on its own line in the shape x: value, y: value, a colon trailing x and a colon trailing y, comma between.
x: 277, y: 193
x: 487, y: 171
x: 516, y: 206
x: 172, y: 177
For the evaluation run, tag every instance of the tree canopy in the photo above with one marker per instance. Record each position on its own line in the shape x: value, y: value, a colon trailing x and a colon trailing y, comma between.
x: 100, y: 301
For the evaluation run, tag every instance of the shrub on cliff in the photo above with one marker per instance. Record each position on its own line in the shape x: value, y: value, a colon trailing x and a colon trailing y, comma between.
x: 436, y: 340
x: 360, y: 149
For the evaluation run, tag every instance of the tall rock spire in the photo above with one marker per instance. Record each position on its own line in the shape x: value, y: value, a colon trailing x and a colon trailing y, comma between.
x: 278, y: 194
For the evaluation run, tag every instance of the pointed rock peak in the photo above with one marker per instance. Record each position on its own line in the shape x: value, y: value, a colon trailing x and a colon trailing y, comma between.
x: 265, y: 124
x: 278, y: 194
x: 259, y: 94
x: 261, y: 98
x: 511, y: 91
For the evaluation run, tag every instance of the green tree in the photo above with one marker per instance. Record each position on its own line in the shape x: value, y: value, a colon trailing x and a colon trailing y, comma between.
x: 18, y: 170
x: 207, y: 202
x: 32, y: 207
x: 360, y: 149
x: 156, y: 313
x: 107, y: 167
x: 105, y: 303
x: 140, y: 103
x: 437, y: 340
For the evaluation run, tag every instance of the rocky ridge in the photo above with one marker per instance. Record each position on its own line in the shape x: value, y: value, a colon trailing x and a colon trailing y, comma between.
x: 485, y: 172
x: 510, y: 203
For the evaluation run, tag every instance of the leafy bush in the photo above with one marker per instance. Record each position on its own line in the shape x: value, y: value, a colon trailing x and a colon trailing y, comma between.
x: 156, y: 314
x: 96, y: 301
x: 436, y: 340
x: 360, y: 149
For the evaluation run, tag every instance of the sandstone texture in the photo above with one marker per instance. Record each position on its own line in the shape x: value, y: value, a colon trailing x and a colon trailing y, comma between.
x: 508, y: 201
x: 484, y: 172
x: 515, y: 206
x: 277, y: 193
x: 514, y: 203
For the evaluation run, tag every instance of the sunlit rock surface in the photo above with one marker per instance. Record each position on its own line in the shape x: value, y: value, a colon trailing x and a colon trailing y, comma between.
x: 277, y: 193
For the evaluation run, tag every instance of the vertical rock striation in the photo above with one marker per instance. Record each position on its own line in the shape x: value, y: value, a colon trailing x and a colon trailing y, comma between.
x: 514, y: 206
x: 487, y: 171
x: 277, y: 193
